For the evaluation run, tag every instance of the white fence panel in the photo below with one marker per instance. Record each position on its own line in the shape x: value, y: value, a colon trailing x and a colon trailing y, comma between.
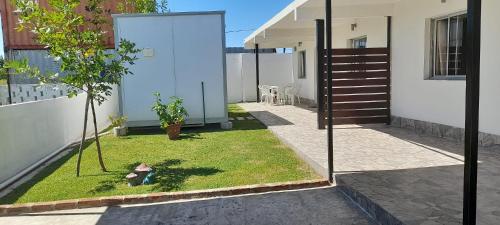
x: 275, y: 69
x: 234, y: 81
x: 30, y: 132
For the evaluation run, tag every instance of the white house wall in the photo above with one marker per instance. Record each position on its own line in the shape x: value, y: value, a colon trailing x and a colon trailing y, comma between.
x: 307, y: 85
x: 441, y: 101
x: 374, y: 28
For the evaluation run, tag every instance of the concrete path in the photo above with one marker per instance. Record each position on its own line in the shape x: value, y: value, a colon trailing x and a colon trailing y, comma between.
x: 417, y: 179
x: 313, y: 206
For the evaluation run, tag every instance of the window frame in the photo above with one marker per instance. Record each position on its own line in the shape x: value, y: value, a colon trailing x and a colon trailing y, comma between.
x: 433, y: 39
x: 302, y: 64
x: 353, y: 40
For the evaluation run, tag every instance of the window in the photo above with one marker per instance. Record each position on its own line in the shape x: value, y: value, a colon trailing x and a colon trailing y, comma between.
x: 302, y: 64
x: 448, y: 46
x: 359, y: 42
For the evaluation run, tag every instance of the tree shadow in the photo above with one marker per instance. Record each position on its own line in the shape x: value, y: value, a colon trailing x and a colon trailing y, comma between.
x: 168, y: 176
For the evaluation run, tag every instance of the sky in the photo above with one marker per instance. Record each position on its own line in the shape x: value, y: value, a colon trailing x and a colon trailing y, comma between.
x: 246, y: 15
x: 242, y: 16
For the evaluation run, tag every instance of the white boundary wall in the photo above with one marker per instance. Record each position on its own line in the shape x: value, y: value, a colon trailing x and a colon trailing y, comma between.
x: 31, y: 132
x: 275, y: 69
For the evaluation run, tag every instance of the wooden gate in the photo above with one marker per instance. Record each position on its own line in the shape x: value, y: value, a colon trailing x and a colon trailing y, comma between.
x: 361, y: 86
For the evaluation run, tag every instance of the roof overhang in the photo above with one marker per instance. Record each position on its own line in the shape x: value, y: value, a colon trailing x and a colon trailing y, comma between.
x: 296, y: 23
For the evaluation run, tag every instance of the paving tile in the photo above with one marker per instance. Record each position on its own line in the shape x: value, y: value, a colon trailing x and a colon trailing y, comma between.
x: 310, y: 206
x: 415, y: 177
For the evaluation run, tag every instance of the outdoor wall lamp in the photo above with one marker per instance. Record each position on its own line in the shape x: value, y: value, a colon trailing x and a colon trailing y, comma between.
x: 354, y: 26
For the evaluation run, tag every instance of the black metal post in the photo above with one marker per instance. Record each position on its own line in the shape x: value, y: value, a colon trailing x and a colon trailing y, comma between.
x: 320, y: 83
x: 329, y: 85
x: 257, y: 70
x: 203, y: 102
x: 389, y: 48
x: 9, y: 88
x: 473, y: 64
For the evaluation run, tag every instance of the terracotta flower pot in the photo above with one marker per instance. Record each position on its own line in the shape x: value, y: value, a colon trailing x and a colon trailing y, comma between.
x: 173, y: 131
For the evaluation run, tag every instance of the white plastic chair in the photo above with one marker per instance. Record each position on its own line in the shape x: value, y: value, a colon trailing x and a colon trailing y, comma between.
x: 292, y: 93
x: 281, y: 96
x: 264, y: 93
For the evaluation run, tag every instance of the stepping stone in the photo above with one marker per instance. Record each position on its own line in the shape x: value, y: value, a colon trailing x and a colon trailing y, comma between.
x: 250, y: 118
x: 231, y: 119
x: 240, y: 118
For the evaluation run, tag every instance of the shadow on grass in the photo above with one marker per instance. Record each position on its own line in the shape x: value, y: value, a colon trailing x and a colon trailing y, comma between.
x: 193, y: 133
x: 18, y: 192
x: 168, y: 177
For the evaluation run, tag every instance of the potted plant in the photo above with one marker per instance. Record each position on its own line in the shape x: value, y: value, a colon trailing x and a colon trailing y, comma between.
x: 171, y: 116
x: 118, y: 125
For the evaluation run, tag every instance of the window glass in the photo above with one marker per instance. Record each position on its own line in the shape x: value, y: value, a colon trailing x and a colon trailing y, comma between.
x: 302, y: 64
x: 359, y: 42
x: 448, y: 46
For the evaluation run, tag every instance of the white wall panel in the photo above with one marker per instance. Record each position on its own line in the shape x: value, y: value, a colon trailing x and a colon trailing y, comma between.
x: 275, y: 69
x: 31, y: 131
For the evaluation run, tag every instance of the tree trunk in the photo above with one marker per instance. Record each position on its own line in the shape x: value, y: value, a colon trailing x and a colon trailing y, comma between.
x: 80, y: 152
x: 99, y: 153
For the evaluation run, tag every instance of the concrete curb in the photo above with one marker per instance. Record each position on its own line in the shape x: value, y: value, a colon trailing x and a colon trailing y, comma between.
x: 17, y: 209
x: 372, y: 209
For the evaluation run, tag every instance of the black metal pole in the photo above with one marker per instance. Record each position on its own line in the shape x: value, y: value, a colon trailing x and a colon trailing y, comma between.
x: 203, y: 101
x: 257, y: 70
x: 389, y: 48
x: 9, y: 88
x: 473, y: 64
x: 320, y: 83
x: 329, y: 86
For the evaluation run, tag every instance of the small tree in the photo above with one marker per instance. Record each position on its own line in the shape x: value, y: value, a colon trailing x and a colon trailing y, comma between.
x: 143, y: 6
x: 77, y: 42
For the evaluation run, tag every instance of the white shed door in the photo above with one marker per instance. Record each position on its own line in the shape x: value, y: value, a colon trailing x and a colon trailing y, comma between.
x: 199, y: 58
x: 152, y: 73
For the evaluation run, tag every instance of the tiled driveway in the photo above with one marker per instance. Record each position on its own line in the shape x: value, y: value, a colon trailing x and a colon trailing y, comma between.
x: 319, y: 206
x: 417, y: 179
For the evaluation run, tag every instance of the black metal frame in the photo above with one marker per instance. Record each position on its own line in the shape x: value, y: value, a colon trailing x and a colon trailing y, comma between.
x: 329, y: 36
x: 389, y: 47
x: 320, y: 55
x: 257, y: 70
x: 473, y: 64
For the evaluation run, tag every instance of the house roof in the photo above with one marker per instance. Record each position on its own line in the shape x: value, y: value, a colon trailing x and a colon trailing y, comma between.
x: 296, y: 22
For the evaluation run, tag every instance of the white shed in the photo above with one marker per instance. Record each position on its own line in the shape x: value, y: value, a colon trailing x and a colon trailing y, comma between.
x: 183, y: 55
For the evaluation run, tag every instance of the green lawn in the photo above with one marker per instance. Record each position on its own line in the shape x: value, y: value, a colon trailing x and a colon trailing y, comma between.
x: 204, y: 158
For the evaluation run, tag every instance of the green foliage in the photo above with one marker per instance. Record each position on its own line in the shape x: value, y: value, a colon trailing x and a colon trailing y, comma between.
x: 143, y: 6
x: 118, y: 121
x: 173, y: 113
x: 77, y: 42
x: 3, y: 72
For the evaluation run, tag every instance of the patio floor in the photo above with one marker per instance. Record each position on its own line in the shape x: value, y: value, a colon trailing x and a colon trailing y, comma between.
x: 416, y: 179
